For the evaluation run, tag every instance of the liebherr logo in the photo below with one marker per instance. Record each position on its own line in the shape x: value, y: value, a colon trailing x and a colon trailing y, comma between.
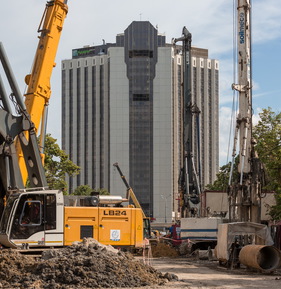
x: 242, y: 27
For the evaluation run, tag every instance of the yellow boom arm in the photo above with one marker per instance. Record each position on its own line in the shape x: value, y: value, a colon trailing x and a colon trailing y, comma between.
x: 39, y: 88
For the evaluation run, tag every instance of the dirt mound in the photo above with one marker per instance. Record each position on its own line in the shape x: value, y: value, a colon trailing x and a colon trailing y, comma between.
x: 84, y: 265
x: 164, y: 250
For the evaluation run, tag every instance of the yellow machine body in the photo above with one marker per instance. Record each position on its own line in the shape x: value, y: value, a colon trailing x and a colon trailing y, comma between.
x: 109, y: 225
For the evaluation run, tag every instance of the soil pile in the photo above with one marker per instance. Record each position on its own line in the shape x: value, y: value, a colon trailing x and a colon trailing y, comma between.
x: 164, y: 250
x: 83, y: 265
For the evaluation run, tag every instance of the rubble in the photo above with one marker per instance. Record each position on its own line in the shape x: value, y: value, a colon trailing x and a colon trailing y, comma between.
x: 83, y: 265
x: 162, y: 249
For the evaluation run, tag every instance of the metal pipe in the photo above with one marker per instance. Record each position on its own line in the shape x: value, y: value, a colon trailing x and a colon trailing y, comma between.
x: 261, y: 257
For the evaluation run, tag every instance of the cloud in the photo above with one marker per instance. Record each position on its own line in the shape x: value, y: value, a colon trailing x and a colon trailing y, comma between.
x: 227, y: 124
x: 266, y: 20
x: 255, y: 117
x: 87, y: 23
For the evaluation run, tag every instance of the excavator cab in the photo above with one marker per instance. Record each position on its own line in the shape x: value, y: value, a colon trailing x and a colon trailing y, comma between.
x: 146, y: 228
x: 30, y: 218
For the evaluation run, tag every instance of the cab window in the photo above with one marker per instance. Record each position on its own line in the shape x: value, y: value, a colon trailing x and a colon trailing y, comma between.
x: 31, y: 213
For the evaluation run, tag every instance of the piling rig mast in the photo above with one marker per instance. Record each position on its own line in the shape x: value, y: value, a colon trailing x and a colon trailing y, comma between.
x: 189, y: 179
x: 244, y: 196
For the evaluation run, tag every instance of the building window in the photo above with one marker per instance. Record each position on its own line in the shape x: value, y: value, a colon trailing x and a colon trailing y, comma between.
x: 140, y: 53
x: 140, y: 97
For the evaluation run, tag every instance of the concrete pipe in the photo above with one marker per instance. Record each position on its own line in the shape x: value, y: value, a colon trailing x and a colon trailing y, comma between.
x: 265, y: 258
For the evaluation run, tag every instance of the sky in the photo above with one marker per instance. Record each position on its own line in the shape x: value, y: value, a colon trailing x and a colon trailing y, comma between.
x: 210, y: 21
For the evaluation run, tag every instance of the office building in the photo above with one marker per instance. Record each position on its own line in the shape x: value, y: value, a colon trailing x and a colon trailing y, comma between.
x: 122, y: 102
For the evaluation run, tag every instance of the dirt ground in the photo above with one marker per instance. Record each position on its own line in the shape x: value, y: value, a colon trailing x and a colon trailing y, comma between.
x: 90, y: 265
x: 83, y: 265
x: 205, y: 274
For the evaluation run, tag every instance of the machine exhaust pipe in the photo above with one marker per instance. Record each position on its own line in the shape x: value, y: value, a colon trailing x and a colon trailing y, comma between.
x: 264, y: 258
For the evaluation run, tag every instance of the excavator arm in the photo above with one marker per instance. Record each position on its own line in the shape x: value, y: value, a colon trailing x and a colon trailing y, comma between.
x: 130, y: 192
x: 39, y: 88
x: 131, y: 195
x: 11, y: 127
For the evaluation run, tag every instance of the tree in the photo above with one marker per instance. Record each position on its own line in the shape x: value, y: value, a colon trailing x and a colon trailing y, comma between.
x: 268, y: 136
x: 102, y: 191
x: 83, y: 190
x: 86, y: 190
x: 221, y: 182
x: 57, y: 164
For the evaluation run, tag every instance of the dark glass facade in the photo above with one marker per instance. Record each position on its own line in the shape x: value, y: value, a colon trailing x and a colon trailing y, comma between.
x: 99, y: 85
x: 141, y: 44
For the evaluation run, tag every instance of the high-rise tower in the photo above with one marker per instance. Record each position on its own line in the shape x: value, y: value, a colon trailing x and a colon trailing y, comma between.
x: 121, y: 102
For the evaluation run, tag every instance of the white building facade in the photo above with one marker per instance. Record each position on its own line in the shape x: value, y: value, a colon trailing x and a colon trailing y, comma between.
x: 121, y: 102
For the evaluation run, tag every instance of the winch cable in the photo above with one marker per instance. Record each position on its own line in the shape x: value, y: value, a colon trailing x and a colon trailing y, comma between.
x: 232, y: 129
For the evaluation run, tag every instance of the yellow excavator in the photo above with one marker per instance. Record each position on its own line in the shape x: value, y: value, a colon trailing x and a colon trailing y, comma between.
x: 39, y: 217
x: 33, y: 111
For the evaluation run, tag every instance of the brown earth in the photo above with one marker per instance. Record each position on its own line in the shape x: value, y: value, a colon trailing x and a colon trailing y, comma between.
x: 162, y: 249
x: 92, y: 265
x: 84, y: 265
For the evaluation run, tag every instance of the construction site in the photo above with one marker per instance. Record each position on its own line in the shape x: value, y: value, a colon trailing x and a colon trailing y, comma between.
x: 50, y: 239
x: 90, y: 264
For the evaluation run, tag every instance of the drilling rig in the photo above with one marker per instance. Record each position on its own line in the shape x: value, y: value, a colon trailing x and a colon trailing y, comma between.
x: 244, y: 240
x: 188, y: 180
x: 245, y: 195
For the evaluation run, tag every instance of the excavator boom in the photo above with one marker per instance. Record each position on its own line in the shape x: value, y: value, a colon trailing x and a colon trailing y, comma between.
x: 39, y: 88
x: 130, y: 192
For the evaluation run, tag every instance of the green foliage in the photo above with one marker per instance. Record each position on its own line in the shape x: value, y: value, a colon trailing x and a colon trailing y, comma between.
x: 57, y: 164
x: 86, y: 190
x: 221, y: 182
x: 83, y: 190
x: 102, y: 191
x: 268, y: 136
